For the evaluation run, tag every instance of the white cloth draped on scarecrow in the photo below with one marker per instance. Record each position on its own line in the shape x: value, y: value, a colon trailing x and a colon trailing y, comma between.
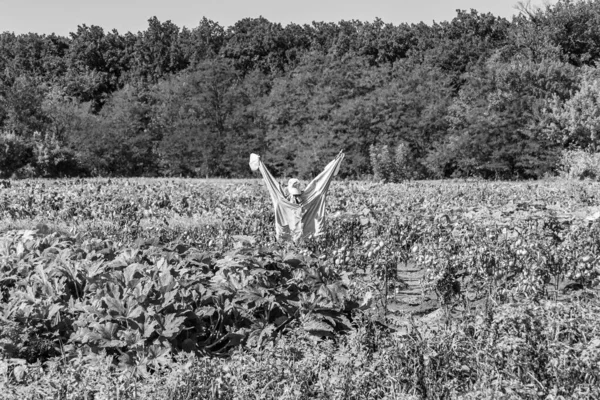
x: 305, y: 218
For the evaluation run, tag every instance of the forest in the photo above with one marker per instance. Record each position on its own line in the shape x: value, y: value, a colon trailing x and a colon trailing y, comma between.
x: 477, y: 96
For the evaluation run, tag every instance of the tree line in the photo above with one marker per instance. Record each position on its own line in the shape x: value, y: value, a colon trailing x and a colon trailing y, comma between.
x: 475, y: 96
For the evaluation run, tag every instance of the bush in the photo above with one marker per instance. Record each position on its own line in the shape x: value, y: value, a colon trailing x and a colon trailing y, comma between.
x: 580, y: 164
x: 52, y: 159
x: 576, y: 121
x: 394, y: 164
x: 15, y: 153
x: 25, y: 172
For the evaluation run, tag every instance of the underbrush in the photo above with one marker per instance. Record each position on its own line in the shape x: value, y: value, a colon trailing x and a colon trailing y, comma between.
x: 520, y: 350
x: 149, y: 305
x: 580, y: 164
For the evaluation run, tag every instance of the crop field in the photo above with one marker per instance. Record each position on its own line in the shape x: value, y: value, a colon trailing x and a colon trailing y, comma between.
x: 177, y: 289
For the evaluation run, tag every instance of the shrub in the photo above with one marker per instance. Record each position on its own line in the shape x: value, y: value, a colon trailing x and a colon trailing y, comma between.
x: 381, y: 162
x: 580, y: 164
x: 15, y: 153
x: 576, y: 121
x: 394, y: 164
x: 52, y: 159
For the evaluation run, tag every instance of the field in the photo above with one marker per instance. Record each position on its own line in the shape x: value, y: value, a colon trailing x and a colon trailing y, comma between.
x: 177, y: 289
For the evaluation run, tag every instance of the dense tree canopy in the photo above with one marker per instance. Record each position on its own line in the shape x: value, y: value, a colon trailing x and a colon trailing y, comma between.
x: 475, y: 96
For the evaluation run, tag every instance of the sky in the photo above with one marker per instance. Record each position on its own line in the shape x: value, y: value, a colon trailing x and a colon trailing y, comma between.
x: 63, y: 16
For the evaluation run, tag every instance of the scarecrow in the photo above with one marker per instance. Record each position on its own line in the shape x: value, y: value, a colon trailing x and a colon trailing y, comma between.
x: 299, y: 214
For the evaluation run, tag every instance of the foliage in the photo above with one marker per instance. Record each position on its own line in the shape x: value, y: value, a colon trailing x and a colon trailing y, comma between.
x: 573, y: 26
x: 394, y: 165
x: 474, y: 96
x: 497, y: 121
x: 52, y: 158
x: 14, y: 153
x: 576, y: 121
x: 199, y: 116
x: 22, y: 102
x: 580, y: 164
x: 257, y: 44
x: 170, y: 288
x: 141, y: 303
x: 318, y: 111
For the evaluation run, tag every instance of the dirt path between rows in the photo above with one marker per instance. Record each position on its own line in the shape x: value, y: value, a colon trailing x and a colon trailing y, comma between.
x: 413, y: 307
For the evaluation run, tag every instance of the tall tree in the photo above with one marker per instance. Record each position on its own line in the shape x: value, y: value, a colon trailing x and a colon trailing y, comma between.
x: 575, y: 122
x: 497, y: 121
x: 203, y: 42
x: 455, y: 46
x: 256, y: 43
x: 574, y: 26
x: 202, y: 118
x: 21, y: 105
x: 97, y: 63
x: 304, y: 112
x: 158, y: 52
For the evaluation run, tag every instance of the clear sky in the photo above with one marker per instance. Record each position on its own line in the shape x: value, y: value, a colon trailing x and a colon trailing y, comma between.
x: 63, y: 16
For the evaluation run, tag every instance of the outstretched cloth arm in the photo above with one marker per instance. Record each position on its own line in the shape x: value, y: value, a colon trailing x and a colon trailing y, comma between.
x: 272, y: 186
x: 320, y: 185
x: 314, y: 197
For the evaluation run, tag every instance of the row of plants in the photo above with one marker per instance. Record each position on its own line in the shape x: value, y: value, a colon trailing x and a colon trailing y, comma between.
x: 545, y: 350
x: 178, y: 289
x: 62, y: 295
